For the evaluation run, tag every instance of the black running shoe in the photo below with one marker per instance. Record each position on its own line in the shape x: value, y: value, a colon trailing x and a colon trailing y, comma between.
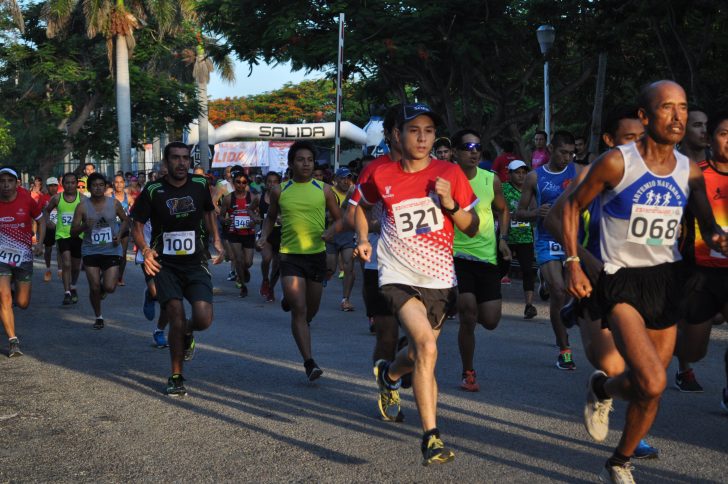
x: 176, y: 386
x: 99, y: 324
x: 74, y: 296
x: 189, y: 347
x: 313, y: 372
x: 435, y: 452
x: 14, y: 348
x: 285, y: 306
x: 243, y: 291
x: 687, y: 383
x: 67, y: 299
x: 530, y: 312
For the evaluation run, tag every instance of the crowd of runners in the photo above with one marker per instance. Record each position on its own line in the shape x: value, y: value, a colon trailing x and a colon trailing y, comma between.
x: 630, y: 247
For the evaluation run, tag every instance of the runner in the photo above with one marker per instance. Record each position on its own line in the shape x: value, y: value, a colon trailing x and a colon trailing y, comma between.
x: 121, y: 194
x: 69, y: 246
x: 270, y: 250
x: 301, y: 203
x: 50, y: 234
x: 443, y: 149
x: 237, y: 214
x: 643, y: 189
x: 540, y: 154
x: 422, y: 199
x: 520, y: 234
x: 18, y: 210
x: 545, y: 184
x: 95, y: 217
x: 583, y: 156
x: 476, y: 258
x: 177, y: 205
x: 341, y: 248
x: 150, y: 294
x: 696, y: 141
x: 706, y: 292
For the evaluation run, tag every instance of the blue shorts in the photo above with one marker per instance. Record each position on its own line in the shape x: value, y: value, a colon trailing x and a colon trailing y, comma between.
x: 547, y: 251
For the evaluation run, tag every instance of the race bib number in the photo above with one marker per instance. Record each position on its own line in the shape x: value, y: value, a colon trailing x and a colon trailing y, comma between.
x: 101, y: 236
x: 555, y: 248
x: 241, y: 222
x: 517, y: 224
x: 11, y: 257
x: 715, y: 254
x: 654, y: 225
x: 417, y: 216
x: 66, y: 218
x: 179, y: 243
x: 54, y: 216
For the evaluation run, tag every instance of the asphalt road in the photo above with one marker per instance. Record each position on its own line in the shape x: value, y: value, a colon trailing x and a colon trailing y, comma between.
x: 87, y: 406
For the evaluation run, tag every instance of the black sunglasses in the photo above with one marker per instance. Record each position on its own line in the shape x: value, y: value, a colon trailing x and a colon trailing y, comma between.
x: 471, y: 147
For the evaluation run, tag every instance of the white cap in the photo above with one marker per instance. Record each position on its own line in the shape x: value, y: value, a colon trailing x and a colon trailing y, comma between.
x: 52, y: 181
x: 516, y: 164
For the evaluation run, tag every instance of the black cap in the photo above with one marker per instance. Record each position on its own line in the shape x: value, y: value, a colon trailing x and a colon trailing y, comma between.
x: 411, y: 111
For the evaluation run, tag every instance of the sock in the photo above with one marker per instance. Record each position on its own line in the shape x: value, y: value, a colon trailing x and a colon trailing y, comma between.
x: 391, y: 384
x: 598, y: 387
x: 309, y: 363
x: 99, y: 317
x: 617, y: 459
x: 14, y: 339
x: 426, y: 437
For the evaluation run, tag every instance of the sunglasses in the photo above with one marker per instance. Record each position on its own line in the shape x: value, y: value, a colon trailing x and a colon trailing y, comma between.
x: 471, y: 147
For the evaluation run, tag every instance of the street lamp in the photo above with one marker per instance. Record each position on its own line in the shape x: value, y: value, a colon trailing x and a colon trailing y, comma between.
x: 546, y: 35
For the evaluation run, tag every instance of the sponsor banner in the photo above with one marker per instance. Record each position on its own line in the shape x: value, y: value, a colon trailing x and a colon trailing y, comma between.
x: 243, y: 153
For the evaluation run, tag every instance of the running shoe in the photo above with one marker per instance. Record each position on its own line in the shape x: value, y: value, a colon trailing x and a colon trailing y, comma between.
x: 176, y: 386
x: 543, y: 290
x: 530, y: 312
x: 313, y: 372
x: 99, y: 323
x: 568, y: 314
x: 159, y: 339
x: 264, y: 288
x: 724, y: 401
x: 617, y: 474
x: 47, y: 276
x: 346, y: 305
x: 238, y: 284
x: 435, y: 452
x: 243, y: 291
x: 189, y: 347
x: 470, y: 382
x: 645, y: 451
x: 565, y: 361
x: 271, y: 296
x: 121, y: 283
x: 506, y: 281
x: 285, y: 306
x: 14, y: 348
x: 596, y: 412
x: 388, y: 401
x: 74, y: 296
x: 67, y: 299
x: 341, y: 274
x: 687, y: 383
x: 232, y: 276
x: 149, y: 307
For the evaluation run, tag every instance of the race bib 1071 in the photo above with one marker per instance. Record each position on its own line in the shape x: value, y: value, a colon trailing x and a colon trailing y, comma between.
x: 179, y: 243
x: 417, y: 216
x: 654, y: 225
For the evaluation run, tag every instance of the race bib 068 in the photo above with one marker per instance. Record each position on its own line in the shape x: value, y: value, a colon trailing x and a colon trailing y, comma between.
x: 654, y: 225
x: 417, y: 216
x: 179, y: 243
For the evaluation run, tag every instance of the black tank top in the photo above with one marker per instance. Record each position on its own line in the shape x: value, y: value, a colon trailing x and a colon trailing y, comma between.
x: 263, y: 205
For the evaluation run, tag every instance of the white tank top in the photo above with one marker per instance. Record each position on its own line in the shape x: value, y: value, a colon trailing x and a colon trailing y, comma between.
x: 641, y: 215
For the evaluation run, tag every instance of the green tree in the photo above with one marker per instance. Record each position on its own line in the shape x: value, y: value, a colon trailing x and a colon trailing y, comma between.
x: 7, y: 142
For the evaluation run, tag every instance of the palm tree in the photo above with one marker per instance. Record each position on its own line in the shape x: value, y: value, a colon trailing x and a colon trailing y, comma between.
x: 116, y: 21
x: 15, y: 12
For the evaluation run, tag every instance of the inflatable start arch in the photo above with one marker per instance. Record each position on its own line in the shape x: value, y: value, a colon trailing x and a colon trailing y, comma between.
x: 237, y: 130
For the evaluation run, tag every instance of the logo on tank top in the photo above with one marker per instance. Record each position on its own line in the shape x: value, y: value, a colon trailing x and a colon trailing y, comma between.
x: 658, y: 193
x: 179, y: 206
x: 719, y: 195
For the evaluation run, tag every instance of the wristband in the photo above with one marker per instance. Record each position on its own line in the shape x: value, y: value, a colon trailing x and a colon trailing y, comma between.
x: 452, y: 210
x: 572, y: 258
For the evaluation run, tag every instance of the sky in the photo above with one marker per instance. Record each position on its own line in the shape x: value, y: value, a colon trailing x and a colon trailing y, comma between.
x: 264, y: 78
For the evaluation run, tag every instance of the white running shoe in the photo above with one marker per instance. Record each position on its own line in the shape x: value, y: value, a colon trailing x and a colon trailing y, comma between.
x: 596, y: 412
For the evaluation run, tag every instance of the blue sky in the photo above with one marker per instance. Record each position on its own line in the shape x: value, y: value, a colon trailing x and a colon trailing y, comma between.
x: 264, y: 78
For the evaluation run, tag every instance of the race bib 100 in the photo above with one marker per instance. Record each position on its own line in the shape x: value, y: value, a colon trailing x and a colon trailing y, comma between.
x: 67, y: 218
x: 654, y: 225
x: 417, y: 216
x: 179, y: 243
x: 241, y: 222
x: 11, y: 257
x: 101, y: 236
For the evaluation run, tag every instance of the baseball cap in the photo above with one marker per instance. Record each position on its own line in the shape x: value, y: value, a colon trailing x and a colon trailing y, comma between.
x: 411, y: 111
x: 9, y: 171
x: 343, y: 172
x: 516, y: 164
x: 236, y: 169
x: 51, y: 181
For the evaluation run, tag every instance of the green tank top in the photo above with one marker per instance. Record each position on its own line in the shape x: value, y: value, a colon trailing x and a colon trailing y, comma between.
x: 303, y: 217
x: 65, y: 216
x: 482, y: 247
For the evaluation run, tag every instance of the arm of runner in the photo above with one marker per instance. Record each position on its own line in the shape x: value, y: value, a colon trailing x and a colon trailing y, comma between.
x: 53, y: 203
x: 712, y: 233
x: 604, y: 173
x: 363, y: 248
x: 211, y: 221
x: 270, y: 218
x: 124, y: 221
x: 332, y: 205
x: 504, y: 218
x: 525, y: 211
x: 40, y: 227
x: 79, y: 224
x: 463, y: 218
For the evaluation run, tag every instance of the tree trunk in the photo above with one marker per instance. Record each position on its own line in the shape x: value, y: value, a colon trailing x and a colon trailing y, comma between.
x: 596, y: 126
x: 203, y: 126
x: 123, y: 103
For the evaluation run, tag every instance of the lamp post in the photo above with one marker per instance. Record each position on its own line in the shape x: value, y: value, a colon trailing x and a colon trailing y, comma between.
x: 546, y: 35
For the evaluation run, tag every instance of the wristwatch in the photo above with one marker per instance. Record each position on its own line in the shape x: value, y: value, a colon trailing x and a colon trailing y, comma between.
x: 452, y: 210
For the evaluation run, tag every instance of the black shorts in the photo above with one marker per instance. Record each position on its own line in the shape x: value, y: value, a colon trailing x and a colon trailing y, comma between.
x: 50, y: 238
x: 342, y: 241
x: 103, y: 262
x: 655, y: 293
x: 374, y: 302
x: 189, y: 281
x: 309, y: 266
x: 248, y: 241
x: 72, y: 244
x: 19, y: 273
x: 479, y: 278
x: 437, y: 302
x: 706, y: 294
